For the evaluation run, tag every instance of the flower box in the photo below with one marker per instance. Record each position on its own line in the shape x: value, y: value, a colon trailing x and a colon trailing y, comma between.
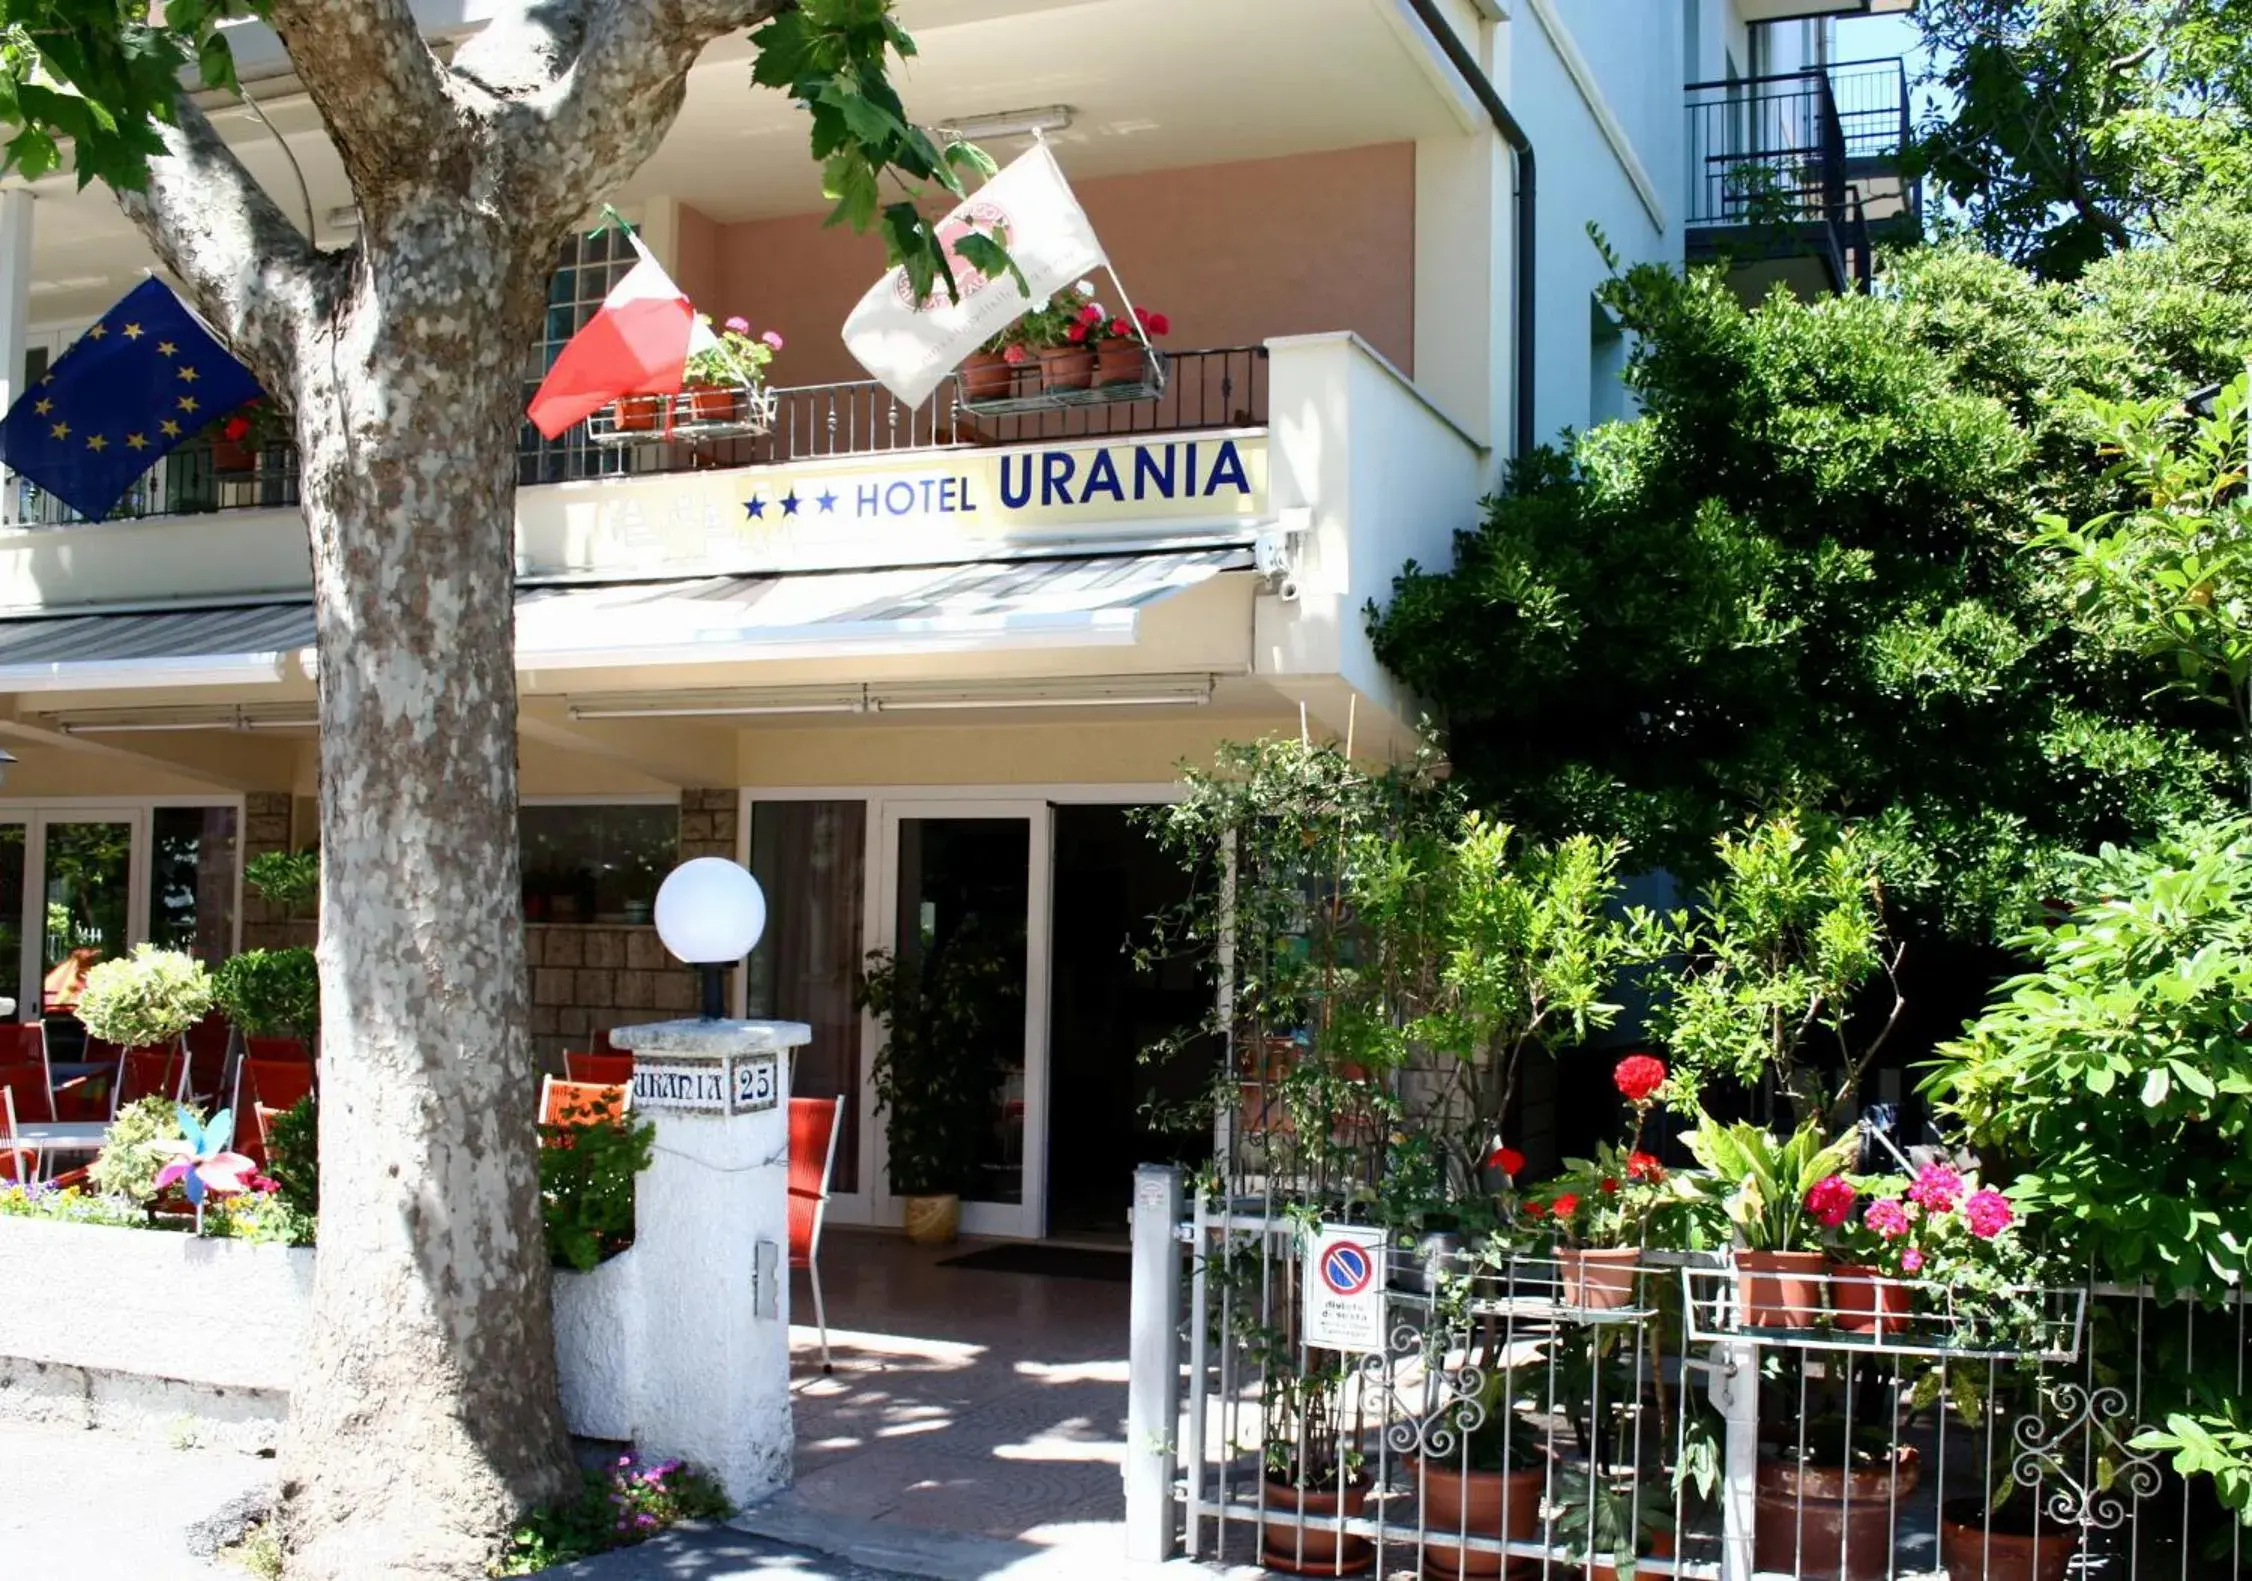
x: 1029, y: 387
x: 698, y: 413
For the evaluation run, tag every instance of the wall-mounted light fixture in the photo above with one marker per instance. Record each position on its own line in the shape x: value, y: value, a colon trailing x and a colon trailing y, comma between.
x: 1010, y: 123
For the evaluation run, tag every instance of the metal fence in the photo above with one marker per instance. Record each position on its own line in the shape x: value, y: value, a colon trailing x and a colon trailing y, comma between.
x: 1536, y: 1416
x: 1223, y: 387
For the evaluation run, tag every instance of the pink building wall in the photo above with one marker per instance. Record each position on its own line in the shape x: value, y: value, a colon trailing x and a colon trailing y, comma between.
x: 1233, y: 253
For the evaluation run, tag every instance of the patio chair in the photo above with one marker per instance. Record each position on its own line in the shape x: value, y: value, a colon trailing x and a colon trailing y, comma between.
x: 156, y: 1072
x: 210, y: 1041
x: 576, y: 1103
x: 23, y: 1072
x: 19, y: 1158
x: 813, y: 1154
x: 278, y: 1084
x: 275, y: 1050
x: 613, y: 1070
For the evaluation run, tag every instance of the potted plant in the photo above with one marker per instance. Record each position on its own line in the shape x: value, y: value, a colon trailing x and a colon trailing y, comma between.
x: 717, y: 377
x: 1314, y: 1470
x: 147, y: 999
x: 989, y: 373
x: 1122, y: 354
x: 1605, y: 1209
x: 1477, y: 1472
x: 1826, y: 1501
x: 944, y: 1012
x: 271, y: 993
x: 238, y: 438
x: 1769, y: 1191
x: 1607, y: 1523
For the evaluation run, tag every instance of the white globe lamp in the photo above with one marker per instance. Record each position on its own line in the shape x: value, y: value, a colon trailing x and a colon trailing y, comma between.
x: 710, y: 913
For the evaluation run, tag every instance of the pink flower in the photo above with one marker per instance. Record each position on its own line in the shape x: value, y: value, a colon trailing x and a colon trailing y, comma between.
x: 741, y: 326
x: 1888, y: 1217
x: 1120, y: 329
x: 1830, y: 1200
x: 1016, y: 355
x: 1936, y: 1189
x: 1988, y: 1214
x: 773, y: 338
x: 1092, y: 313
x: 1638, y: 1075
x: 1912, y: 1259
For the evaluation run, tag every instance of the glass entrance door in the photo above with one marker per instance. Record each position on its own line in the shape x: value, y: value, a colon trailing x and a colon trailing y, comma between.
x: 85, y: 890
x: 966, y: 917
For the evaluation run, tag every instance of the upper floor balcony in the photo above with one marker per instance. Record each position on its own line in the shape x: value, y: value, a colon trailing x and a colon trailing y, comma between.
x: 1798, y: 177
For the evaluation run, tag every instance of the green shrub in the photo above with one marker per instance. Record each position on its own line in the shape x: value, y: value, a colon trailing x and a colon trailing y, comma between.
x: 621, y: 1504
x: 271, y: 993
x: 149, y: 997
x: 126, y: 1167
x: 288, y: 879
x: 293, y: 1157
x: 586, y: 1187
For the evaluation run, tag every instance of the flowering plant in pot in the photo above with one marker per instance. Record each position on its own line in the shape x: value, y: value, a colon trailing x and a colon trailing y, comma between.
x: 1939, y: 1226
x: 238, y: 437
x: 716, y: 377
x: 1767, y: 1188
x: 1605, y: 1209
x: 1121, y: 343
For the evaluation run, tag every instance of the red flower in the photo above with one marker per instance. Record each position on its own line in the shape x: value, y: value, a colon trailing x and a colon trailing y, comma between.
x: 237, y: 429
x: 1092, y: 313
x: 1565, y: 1206
x: 1830, y: 1200
x: 1076, y: 334
x: 1158, y: 324
x: 1638, y: 1076
x: 1506, y: 1159
x: 1644, y: 1166
x: 1015, y: 355
x: 1610, y: 1187
x: 1120, y: 329
x: 1534, y: 1207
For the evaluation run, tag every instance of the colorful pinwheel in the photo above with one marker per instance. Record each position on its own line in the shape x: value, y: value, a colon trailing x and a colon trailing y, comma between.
x: 201, y: 1162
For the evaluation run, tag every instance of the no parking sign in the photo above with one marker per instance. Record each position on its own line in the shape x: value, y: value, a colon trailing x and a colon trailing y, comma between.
x: 1345, y: 1288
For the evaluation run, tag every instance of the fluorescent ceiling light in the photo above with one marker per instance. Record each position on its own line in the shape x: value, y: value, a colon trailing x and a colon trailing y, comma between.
x: 164, y: 721
x: 1010, y: 123
x: 719, y: 705
x: 1145, y: 691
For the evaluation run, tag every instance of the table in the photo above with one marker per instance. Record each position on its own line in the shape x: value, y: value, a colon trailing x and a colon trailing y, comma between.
x: 62, y: 1070
x: 64, y: 1136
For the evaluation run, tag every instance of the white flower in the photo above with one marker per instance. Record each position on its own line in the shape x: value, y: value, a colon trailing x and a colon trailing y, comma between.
x: 1086, y: 288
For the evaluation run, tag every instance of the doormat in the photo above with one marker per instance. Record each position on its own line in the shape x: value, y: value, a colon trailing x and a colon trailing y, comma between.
x: 1048, y: 1262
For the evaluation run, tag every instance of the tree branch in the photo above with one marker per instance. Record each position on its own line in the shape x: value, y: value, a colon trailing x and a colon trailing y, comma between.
x: 603, y: 118
x: 380, y: 91
x: 243, y: 263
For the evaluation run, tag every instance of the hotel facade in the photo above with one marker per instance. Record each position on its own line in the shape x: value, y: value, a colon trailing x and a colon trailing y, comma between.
x: 919, y: 666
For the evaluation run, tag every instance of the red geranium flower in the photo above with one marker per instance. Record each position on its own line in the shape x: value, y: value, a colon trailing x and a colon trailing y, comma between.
x: 1092, y: 313
x: 1638, y: 1076
x: 1644, y: 1166
x: 1534, y: 1207
x: 1610, y: 1187
x: 1158, y: 324
x: 1565, y: 1206
x: 237, y: 429
x: 1830, y: 1200
x: 1121, y: 329
x: 1076, y: 334
x: 1506, y: 1159
x: 1015, y: 355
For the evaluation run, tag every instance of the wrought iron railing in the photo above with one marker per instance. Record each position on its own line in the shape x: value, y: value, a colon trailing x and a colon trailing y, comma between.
x: 1217, y: 388
x: 1790, y: 148
x: 1530, y: 1417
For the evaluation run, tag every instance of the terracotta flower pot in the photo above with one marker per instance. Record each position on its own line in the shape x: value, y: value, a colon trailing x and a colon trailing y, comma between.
x: 1120, y: 362
x: 1780, y: 1289
x: 985, y: 376
x: 1597, y: 1278
x: 1830, y: 1523
x: 639, y: 413
x: 1314, y: 1549
x: 1973, y: 1550
x: 714, y: 403
x: 1861, y: 1305
x: 1661, y: 1547
x: 933, y: 1220
x: 1500, y: 1505
x: 233, y: 458
x: 1066, y: 368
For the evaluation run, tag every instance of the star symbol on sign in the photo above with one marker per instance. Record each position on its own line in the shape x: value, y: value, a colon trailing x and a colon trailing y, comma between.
x: 98, y: 332
x: 42, y: 406
x: 828, y: 501
x: 133, y: 332
x: 136, y: 441
x: 187, y: 372
x: 96, y: 443
x: 754, y: 508
x: 790, y: 503
x: 165, y: 348
x: 59, y: 431
x: 169, y: 429
x: 187, y: 403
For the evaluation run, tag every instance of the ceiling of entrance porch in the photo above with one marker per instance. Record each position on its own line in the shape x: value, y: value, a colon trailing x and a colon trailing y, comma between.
x: 1152, y: 85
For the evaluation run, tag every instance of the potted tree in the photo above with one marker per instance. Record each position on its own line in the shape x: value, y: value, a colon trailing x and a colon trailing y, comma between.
x: 943, y: 1013
x: 271, y: 993
x: 146, y: 1000
x: 1769, y: 1191
x: 1315, y: 1471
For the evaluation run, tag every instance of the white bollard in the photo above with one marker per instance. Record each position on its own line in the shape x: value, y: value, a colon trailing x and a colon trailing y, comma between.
x: 709, y: 1377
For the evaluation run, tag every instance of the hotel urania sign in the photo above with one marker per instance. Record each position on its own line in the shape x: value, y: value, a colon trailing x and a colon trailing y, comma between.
x: 916, y: 505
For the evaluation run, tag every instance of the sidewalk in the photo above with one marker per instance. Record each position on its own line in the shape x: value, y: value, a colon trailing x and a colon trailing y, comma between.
x: 99, y: 1504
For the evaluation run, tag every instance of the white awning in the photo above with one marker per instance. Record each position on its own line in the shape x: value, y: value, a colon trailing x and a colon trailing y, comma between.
x: 988, y: 606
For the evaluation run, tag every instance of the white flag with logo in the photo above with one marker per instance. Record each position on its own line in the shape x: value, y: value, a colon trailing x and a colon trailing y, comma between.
x: 911, y: 346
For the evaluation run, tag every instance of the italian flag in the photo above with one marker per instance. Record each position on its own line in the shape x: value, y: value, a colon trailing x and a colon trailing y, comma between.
x: 637, y: 343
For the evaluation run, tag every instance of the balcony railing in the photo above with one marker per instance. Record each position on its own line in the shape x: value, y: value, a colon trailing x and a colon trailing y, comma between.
x: 1821, y: 147
x: 1224, y: 387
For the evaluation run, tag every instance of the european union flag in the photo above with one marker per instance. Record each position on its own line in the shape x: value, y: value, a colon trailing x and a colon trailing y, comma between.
x: 145, y: 377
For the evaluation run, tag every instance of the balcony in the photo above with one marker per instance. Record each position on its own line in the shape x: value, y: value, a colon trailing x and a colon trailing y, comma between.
x: 1797, y: 178
x: 1224, y: 387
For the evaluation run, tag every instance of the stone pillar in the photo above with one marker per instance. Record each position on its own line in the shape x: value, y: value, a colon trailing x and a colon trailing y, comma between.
x: 710, y: 1373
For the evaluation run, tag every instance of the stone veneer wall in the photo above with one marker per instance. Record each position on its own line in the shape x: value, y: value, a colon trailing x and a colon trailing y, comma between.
x: 590, y: 977
x: 585, y: 977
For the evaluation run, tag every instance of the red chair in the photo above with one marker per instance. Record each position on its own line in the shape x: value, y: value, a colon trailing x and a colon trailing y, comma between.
x: 19, y: 1158
x: 23, y: 1072
x: 577, y: 1103
x: 209, y: 1042
x: 276, y: 1049
x: 610, y: 1070
x: 813, y: 1153
x: 158, y: 1072
x: 255, y: 1140
x: 278, y: 1084
x: 91, y: 1096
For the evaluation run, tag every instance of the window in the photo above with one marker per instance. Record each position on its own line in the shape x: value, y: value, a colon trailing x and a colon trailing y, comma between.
x: 596, y: 863
x: 585, y: 271
x: 192, y: 880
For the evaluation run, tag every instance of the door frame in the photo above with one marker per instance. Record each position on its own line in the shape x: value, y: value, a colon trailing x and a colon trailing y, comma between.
x: 873, y: 1205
